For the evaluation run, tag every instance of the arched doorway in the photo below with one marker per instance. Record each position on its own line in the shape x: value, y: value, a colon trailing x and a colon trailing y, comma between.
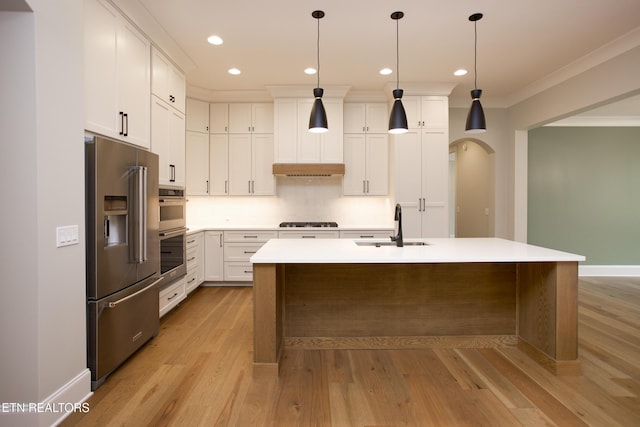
x: 472, y: 189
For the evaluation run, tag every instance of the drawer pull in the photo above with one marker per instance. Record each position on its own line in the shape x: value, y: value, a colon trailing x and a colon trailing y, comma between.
x: 192, y: 279
x: 172, y: 296
x: 248, y: 271
x: 250, y: 252
x: 308, y: 237
x: 250, y: 237
x: 191, y: 259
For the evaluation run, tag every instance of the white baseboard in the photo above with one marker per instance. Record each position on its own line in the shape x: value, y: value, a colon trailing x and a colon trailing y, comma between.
x: 609, y: 270
x: 75, y: 392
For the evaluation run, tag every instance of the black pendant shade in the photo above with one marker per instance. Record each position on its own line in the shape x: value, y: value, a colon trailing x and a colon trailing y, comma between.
x: 476, y: 122
x: 475, y: 119
x: 318, y: 120
x: 398, y: 117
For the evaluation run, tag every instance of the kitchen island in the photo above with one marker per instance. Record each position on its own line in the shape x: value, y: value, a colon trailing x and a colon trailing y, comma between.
x: 481, y: 292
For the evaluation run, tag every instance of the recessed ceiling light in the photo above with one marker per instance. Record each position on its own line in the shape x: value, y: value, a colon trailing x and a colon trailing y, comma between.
x: 386, y: 71
x: 234, y: 71
x: 310, y: 70
x: 460, y: 72
x: 215, y: 40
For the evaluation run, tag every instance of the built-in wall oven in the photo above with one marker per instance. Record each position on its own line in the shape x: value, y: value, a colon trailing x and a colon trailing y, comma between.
x: 173, y: 234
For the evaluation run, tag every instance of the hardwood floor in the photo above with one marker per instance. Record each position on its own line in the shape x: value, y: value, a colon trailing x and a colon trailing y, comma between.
x: 197, y: 371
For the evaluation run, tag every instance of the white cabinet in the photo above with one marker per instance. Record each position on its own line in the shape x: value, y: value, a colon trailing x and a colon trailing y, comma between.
x: 168, y: 142
x: 197, y: 164
x: 428, y: 112
x: 366, y: 118
x: 421, y: 182
x: 219, y: 118
x: 167, y: 82
x: 251, y: 118
x: 116, y: 75
x: 172, y: 295
x: 250, y: 160
x: 239, y: 246
x: 293, y: 141
x: 379, y: 234
x: 241, y: 117
x: 197, y: 115
x: 195, y: 261
x: 213, y: 256
x: 219, y: 164
x: 309, y: 234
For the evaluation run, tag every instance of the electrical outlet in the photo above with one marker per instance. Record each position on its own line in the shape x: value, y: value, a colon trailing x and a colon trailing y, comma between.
x: 66, y: 235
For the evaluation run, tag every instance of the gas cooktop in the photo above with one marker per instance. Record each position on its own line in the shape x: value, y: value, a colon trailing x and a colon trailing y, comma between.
x: 309, y: 224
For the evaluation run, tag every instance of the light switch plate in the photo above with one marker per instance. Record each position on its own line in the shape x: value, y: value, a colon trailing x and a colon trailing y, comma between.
x: 66, y: 235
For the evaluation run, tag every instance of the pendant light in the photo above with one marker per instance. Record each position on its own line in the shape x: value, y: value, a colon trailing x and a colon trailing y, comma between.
x: 398, y: 117
x: 318, y: 120
x: 475, y: 119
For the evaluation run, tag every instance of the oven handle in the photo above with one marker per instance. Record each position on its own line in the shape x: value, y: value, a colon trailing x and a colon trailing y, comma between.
x: 113, y: 304
x: 175, y: 232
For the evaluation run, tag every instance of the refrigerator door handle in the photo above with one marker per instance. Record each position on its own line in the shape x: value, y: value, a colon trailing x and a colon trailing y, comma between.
x: 139, y: 223
x: 113, y: 304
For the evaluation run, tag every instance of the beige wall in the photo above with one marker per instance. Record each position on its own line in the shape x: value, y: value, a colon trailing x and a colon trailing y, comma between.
x: 43, y: 305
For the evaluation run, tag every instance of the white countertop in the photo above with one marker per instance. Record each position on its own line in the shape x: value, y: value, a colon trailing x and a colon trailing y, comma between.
x: 344, y: 251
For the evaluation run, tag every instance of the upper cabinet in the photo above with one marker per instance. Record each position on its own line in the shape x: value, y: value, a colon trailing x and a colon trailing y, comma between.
x: 116, y: 75
x: 293, y: 141
x: 241, y: 117
x: 251, y: 118
x: 167, y: 82
x: 428, y: 112
x: 168, y: 120
x: 197, y: 115
x: 365, y: 118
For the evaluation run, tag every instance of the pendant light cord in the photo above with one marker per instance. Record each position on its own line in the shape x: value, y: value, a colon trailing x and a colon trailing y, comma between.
x: 475, y: 55
x: 397, y: 54
x: 318, y: 51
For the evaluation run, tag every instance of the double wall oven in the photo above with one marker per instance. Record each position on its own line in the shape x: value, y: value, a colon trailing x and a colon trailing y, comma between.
x: 173, y: 234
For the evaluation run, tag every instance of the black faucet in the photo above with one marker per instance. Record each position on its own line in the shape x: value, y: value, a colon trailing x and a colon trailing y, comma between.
x: 398, y: 219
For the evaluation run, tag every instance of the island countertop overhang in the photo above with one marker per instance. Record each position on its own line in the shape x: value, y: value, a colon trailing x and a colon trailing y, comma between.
x: 436, y: 250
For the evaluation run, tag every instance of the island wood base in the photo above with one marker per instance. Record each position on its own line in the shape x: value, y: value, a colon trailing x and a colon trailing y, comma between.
x: 337, y: 306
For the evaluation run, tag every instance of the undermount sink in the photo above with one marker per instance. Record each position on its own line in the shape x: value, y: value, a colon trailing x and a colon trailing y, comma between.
x: 379, y: 244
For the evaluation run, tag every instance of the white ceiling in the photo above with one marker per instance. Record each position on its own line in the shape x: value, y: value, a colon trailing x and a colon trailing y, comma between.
x: 520, y: 43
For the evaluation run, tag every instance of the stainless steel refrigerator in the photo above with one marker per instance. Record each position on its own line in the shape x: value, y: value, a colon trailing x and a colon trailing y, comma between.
x: 123, y: 252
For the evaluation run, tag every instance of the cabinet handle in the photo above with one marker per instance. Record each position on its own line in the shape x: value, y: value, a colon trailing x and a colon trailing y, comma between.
x: 126, y: 130
x: 190, y: 241
x: 191, y: 259
x: 249, y: 186
x: 367, y: 186
x: 364, y: 186
x: 250, y: 252
x: 172, y: 173
x: 121, y: 122
x: 367, y: 237
x: 250, y: 237
x: 192, y: 279
x: 207, y: 128
x: 220, y: 240
x: 207, y: 181
x: 308, y: 237
x: 226, y: 186
x: 253, y: 187
x: 248, y: 271
x: 172, y: 296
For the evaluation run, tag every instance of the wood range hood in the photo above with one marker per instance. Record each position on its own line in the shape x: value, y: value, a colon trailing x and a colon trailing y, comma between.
x: 308, y: 169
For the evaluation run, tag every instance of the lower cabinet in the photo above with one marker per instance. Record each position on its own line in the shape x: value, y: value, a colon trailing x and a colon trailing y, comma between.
x: 239, y: 246
x: 309, y: 234
x: 195, y: 260
x: 366, y: 234
x: 172, y: 295
x: 213, y: 256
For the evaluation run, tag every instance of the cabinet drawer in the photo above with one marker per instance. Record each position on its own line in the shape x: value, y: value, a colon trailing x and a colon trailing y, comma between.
x: 192, y: 258
x: 250, y: 236
x: 366, y: 234
x: 171, y: 296
x: 240, y: 251
x: 191, y: 281
x: 242, y: 271
x: 326, y: 234
x: 193, y: 240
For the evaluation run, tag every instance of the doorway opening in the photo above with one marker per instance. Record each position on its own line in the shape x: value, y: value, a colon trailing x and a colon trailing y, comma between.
x: 471, y: 189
